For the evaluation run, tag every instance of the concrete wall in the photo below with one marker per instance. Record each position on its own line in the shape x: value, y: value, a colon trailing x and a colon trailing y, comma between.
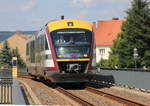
x: 138, y: 79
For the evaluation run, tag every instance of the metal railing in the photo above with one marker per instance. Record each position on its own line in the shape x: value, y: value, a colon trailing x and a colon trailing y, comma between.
x: 5, y: 73
x: 6, y: 90
x: 6, y: 82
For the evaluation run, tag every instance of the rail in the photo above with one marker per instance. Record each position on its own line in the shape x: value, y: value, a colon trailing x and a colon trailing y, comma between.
x: 75, y: 98
x: 24, y: 76
x: 116, y: 98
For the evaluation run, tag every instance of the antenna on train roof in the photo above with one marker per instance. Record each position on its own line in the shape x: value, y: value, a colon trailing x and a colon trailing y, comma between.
x: 62, y: 17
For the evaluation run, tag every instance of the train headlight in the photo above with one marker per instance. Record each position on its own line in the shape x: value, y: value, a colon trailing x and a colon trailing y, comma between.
x: 61, y: 49
x: 85, y: 55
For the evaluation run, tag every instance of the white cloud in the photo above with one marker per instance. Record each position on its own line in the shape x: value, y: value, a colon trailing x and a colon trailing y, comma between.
x: 16, y: 5
x: 43, y: 20
x: 82, y: 14
x: 91, y: 3
x: 30, y: 4
x: 80, y: 3
x: 100, y: 9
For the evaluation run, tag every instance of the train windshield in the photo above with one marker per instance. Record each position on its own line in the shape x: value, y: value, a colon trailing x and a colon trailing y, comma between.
x: 73, y: 52
x: 72, y: 43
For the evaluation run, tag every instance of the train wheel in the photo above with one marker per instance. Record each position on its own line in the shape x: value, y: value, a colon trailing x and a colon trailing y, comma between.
x: 34, y: 77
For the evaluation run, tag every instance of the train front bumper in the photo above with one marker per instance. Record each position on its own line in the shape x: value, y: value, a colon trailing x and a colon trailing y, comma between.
x: 69, y: 77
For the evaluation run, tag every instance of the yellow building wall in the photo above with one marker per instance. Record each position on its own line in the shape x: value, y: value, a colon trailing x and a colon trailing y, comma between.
x: 17, y: 40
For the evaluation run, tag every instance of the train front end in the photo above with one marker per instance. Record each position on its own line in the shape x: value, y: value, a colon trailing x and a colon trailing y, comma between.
x: 72, y: 45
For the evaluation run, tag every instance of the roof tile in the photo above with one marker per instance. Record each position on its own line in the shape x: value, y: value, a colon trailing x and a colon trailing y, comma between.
x: 106, y: 31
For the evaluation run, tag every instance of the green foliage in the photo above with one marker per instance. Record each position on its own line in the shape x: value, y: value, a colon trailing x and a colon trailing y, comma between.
x: 113, y: 61
x: 135, y: 33
x: 103, y: 63
x: 146, y: 61
x: 5, y: 55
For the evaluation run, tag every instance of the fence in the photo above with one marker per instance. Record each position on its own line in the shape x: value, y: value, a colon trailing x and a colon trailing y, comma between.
x: 6, y: 82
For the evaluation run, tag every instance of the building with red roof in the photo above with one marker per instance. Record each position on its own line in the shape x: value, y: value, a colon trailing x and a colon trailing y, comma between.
x: 105, y: 32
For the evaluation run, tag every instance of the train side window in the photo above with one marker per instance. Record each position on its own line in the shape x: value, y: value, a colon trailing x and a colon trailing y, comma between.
x: 30, y: 51
x: 42, y: 42
x: 38, y: 44
x: 27, y: 49
x: 46, y: 43
x: 38, y: 48
x: 48, y: 56
x: 33, y: 50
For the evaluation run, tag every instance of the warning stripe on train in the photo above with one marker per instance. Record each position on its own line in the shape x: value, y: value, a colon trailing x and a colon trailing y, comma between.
x: 73, y: 59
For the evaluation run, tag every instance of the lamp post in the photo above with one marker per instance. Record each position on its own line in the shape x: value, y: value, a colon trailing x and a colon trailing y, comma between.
x: 135, y: 55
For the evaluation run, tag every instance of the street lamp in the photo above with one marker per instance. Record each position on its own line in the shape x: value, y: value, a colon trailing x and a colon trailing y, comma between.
x: 135, y: 55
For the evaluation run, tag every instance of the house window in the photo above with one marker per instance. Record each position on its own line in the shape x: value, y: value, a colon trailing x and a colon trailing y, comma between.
x: 101, y: 51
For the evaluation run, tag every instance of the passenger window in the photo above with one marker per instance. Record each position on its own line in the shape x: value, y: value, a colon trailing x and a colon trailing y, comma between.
x: 46, y: 43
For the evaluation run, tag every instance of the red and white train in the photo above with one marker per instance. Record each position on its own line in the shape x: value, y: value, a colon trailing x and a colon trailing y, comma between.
x: 62, y: 52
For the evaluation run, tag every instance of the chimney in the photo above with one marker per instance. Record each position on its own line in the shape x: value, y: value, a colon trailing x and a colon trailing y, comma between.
x: 62, y: 17
x: 115, y: 18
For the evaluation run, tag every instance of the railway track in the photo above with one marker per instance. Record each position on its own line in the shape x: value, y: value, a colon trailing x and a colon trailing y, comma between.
x: 121, y: 100
x: 24, y: 76
x: 118, y: 99
x: 75, y: 98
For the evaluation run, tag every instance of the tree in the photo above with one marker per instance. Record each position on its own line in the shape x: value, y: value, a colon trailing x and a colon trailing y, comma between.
x: 103, y: 63
x: 135, y: 33
x: 5, y: 55
x: 146, y: 61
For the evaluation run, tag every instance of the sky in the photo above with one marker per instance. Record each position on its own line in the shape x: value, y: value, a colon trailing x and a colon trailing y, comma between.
x: 29, y: 15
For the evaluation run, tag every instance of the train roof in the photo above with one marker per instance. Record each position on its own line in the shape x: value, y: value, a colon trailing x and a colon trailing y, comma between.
x: 64, y: 24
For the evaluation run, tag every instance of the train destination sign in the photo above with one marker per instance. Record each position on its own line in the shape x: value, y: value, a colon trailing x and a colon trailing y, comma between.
x: 69, y: 32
